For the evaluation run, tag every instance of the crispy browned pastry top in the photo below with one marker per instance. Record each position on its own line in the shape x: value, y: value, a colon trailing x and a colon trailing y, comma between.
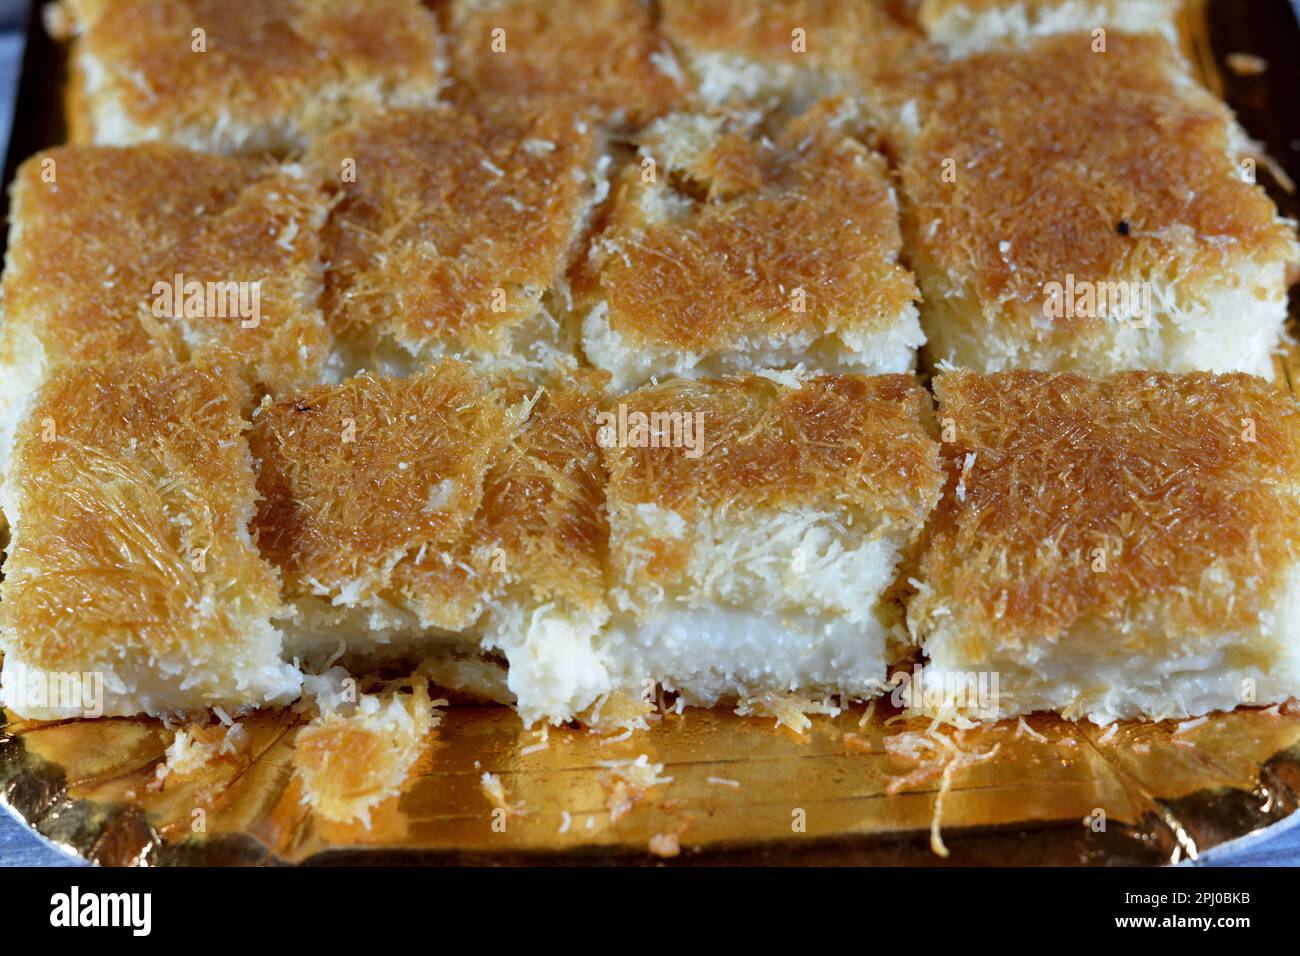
x: 131, y: 485
x: 296, y: 62
x: 764, y: 238
x: 541, y: 528
x: 1184, y: 488
x: 838, y: 442
x: 99, y: 227
x: 602, y: 56
x: 451, y: 221
x: 353, y: 476
x: 1028, y: 166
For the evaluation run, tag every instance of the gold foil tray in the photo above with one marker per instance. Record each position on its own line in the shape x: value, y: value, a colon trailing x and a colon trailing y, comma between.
x: 742, y: 791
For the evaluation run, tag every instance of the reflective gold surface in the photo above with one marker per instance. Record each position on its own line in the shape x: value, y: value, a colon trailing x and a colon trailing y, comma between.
x: 739, y: 791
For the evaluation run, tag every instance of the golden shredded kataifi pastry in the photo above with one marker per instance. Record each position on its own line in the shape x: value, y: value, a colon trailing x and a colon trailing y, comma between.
x: 929, y: 10
x: 263, y: 76
x: 542, y: 517
x: 1027, y: 167
x: 350, y: 763
x: 598, y: 56
x: 739, y: 49
x: 855, y: 440
x: 96, y: 229
x: 353, y: 476
x: 450, y: 225
x: 984, y: 23
x: 795, y: 235
x: 129, y: 499
x: 849, y: 443
x: 461, y: 493
x: 440, y: 496
x: 1187, y: 485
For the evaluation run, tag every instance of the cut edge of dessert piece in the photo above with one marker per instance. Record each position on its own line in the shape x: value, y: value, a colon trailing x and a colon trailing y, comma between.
x: 1037, y: 248
x: 963, y: 27
x: 1112, y: 548
x: 755, y: 530
x: 451, y: 235
x: 783, y: 56
x: 500, y: 592
x: 198, y: 76
x: 795, y: 238
x: 129, y: 502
